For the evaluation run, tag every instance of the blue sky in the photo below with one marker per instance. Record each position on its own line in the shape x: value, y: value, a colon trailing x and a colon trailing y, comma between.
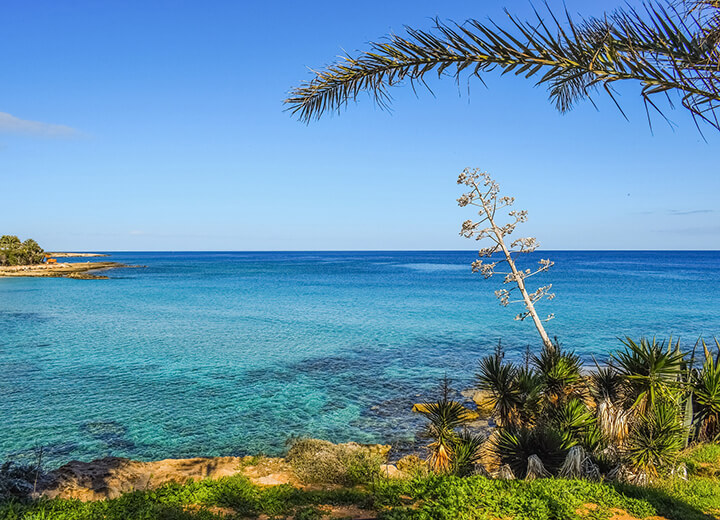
x: 160, y: 126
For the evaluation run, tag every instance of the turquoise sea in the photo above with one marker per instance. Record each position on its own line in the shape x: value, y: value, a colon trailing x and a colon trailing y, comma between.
x: 235, y: 353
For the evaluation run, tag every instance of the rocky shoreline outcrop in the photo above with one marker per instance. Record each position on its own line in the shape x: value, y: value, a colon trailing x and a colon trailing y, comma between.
x: 111, y: 477
x: 77, y: 270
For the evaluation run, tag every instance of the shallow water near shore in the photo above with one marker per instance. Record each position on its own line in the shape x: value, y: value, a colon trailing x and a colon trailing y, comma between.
x: 235, y: 353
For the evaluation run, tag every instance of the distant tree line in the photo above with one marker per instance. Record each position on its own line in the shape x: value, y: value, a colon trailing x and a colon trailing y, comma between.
x: 15, y: 252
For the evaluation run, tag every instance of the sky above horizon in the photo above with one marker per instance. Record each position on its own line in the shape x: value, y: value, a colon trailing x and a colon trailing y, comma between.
x: 160, y: 126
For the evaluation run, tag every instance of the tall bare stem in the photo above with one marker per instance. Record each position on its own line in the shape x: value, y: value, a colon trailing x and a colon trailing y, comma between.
x: 483, y: 194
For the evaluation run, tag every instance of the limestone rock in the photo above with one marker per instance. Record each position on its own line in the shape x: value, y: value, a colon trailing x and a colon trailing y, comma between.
x: 112, y: 476
x: 391, y: 471
x: 481, y: 398
x: 274, y: 479
x: 471, y: 415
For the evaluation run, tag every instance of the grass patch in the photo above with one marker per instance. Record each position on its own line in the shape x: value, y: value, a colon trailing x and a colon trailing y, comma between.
x: 680, y: 499
x: 703, y: 460
x: 705, y: 453
x: 429, y: 498
x: 234, y: 496
x: 480, y: 498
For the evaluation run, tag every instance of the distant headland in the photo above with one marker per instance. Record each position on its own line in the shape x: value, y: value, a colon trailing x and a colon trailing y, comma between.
x: 27, y: 258
x: 76, y: 255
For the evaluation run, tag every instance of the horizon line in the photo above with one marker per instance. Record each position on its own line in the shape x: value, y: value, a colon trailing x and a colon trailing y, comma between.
x: 98, y: 251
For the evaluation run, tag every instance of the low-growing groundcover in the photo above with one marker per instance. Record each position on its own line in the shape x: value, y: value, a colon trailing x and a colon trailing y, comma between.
x: 482, y: 498
x: 429, y: 498
x: 227, y: 497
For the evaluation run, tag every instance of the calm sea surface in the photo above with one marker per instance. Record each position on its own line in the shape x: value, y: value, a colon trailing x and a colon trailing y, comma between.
x: 234, y: 353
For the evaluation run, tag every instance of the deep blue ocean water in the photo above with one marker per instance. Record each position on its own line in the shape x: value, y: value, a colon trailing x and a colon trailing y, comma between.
x: 235, y: 353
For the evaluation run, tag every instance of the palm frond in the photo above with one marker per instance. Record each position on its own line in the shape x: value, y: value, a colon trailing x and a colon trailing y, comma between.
x: 606, y: 383
x: 574, y: 420
x: 666, y: 51
x: 514, y: 446
x: 444, y: 416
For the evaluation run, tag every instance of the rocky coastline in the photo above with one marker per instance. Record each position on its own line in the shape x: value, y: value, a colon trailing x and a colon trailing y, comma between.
x: 110, y: 477
x: 77, y: 270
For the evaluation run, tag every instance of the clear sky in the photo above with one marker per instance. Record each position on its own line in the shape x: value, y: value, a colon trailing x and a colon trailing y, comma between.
x: 159, y: 125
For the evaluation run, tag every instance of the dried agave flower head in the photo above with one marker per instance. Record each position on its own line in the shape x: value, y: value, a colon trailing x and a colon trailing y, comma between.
x: 492, y: 227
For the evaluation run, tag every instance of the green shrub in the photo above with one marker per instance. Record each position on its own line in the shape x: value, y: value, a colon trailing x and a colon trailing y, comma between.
x: 308, y: 513
x: 437, y: 497
x: 703, y: 459
x: 14, y: 252
x: 413, y: 466
x: 678, y: 499
x: 322, y: 462
x: 704, y: 453
x: 706, y: 385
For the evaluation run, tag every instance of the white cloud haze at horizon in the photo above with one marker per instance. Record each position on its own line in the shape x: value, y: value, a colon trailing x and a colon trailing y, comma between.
x: 9, y: 124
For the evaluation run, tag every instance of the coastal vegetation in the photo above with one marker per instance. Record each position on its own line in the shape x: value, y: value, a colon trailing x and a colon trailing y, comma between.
x: 14, y: 252
x: 670, y: 48
x: 628, y: 420
x: 420, y: 497
x: 316, y: 461
x: 28, y: 259
x: 635, y: 437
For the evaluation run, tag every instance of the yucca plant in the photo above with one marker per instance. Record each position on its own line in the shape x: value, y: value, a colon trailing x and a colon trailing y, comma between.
x: 579, y: 464
x: 592, y: 438
x: 466, y: 453
x: 613, y: 422
x: 529, y: 385
x: 667, y: 49
x: 686, y: 395
x: 445, y: 417
x: 559, y: 373
x: 514, y: 392
x: 515, y: 445
x: 608, y: 388
x: 655, y: 440
x: 536, y: 468
x: 607, y: 383
x: 652, y: 371
x: 706, y: 387
x: 574, y: 421
x: 500, y: 379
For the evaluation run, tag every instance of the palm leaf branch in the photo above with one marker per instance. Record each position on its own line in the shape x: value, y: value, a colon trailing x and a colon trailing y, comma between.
x: 666, y: 51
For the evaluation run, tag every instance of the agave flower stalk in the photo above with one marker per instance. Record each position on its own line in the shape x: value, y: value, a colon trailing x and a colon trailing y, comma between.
x: 483, y: 195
